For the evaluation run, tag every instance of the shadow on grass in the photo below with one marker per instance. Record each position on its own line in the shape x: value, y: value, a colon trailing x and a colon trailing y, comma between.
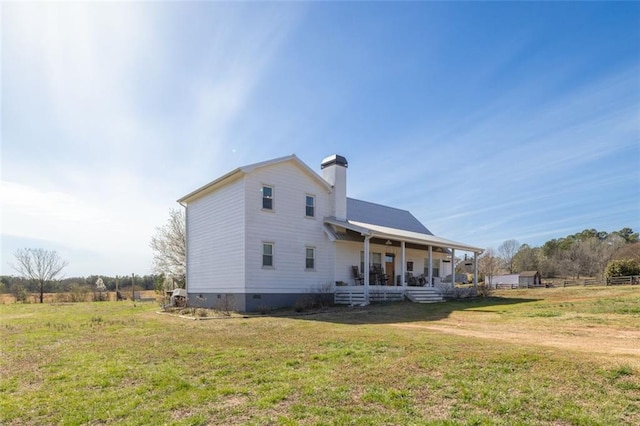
x: 389, y: 313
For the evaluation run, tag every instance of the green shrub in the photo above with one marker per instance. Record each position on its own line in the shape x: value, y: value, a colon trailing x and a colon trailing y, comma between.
x: 622, y: 268
x: 19, y: 292
x: 78, y: 293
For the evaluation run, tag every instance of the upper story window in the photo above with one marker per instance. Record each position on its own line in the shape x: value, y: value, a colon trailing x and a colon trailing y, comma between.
x: 267, y: 197
x: 310, y: 206
x: 267, y: 255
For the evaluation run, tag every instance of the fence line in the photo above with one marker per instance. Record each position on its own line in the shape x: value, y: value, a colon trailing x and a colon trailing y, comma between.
x: 630, y: 280
x: 627, y: 280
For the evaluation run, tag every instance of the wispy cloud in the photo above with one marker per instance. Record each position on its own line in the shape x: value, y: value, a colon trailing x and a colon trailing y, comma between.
x: 514, y: 167
x: 114, y: 110
x: 97, y: 141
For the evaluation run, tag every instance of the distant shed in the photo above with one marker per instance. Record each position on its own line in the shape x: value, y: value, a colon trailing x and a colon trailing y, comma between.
x: 504, y: 281
x: 530, y: 279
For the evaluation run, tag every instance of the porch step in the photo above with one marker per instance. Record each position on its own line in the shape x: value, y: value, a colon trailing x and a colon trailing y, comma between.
x: 424, y: 295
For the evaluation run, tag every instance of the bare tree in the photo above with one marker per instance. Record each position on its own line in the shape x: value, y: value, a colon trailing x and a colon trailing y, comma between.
x: 39, y: 265
x: 590, y: 256
x: 628, y: 251
x: 489, y: 264
x: 170, y: 247
x: 507, y: 251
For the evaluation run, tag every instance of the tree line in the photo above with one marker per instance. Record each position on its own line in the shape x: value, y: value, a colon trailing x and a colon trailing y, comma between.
x: 20, y: 286
x: 589, y: 253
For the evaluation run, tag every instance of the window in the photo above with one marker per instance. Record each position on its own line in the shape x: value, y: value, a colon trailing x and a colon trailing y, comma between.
x: 267, y: 198
x: 374, y: 258
x: 436, y: 267
x: 267, y: 255
x: 409, y: 266
x: 310, y: 258
x: 310, y: 206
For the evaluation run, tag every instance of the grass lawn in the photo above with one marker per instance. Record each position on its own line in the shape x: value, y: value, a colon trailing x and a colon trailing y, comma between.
x: 546, y: 356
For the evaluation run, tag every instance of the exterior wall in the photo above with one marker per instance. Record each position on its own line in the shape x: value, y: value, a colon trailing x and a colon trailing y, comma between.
x: 526, y: 281
x: 290, y: 231
x: 215, y: 300
x: 511, y: 279
x: 530, y: 281
x: 348, y: 254
x: 257, y: 302
x: 215, y: 241
x: 420, y: 259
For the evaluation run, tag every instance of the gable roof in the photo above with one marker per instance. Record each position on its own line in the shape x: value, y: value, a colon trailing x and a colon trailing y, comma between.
x: 243, y: 170
x: 377, y: 214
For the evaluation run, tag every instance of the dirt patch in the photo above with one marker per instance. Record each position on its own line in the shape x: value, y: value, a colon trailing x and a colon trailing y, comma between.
x: 604, y: 341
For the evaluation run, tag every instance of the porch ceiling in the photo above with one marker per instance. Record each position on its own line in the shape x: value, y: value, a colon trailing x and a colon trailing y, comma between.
x: 383, y: 232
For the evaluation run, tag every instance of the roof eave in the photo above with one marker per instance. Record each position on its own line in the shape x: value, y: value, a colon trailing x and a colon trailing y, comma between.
x: 211, y: 185
x: 240, y: 171
x: 426, y: 240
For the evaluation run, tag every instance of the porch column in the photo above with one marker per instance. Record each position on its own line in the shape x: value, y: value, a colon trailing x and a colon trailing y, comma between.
x: 404, y: 265
x: 366, y: 267
x: 453, y: 267
x: 475, y: 269
x: 430, y: 282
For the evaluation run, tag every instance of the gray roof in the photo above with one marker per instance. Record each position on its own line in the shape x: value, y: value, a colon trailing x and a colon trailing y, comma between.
x: 376, y: 214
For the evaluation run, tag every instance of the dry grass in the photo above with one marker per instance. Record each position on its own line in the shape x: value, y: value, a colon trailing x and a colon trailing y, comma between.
x: 6, y: 298
x: 522, y: 358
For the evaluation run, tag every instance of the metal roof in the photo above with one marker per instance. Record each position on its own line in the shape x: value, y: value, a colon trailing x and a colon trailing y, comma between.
x: 385, y: 232
x: 377, y: 214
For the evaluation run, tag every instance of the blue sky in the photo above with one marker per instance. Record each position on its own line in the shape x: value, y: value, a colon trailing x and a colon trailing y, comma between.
x: 488, y: 121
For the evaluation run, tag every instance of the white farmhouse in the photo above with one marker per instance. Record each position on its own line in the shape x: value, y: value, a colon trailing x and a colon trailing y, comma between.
x: 270, y: 233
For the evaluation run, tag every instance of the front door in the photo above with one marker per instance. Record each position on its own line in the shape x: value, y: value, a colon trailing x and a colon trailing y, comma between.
x: 389, y: 268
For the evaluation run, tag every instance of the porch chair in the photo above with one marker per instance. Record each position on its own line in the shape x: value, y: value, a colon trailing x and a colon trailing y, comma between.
x: 422, y: 280
x: 358, y: 278
x: 410, y: 279
x: 382, y: 277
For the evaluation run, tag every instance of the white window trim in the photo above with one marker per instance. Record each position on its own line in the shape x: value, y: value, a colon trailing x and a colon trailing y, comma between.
x: 273, y: 198
x: 314, y: 206
x: 273, y: 255
x: 305, y: 258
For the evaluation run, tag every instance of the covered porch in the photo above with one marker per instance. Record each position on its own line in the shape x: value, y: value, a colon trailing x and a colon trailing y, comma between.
x: 377, y: 263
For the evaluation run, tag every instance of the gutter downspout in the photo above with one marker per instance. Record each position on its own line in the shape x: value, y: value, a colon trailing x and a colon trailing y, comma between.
x: 186, y: 249
x: 475, y: 270
x: 403, y: 280
x: 367, y: 267
x: 430, y: 283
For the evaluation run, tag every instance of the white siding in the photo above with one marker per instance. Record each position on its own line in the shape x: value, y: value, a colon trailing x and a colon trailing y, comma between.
x: 215, y: 244
x: 288, y: 229
x: 348, y: 254
x: 511, y: 279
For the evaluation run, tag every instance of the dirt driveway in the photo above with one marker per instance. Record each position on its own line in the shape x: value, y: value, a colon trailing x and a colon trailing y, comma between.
x: 610, y: 343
